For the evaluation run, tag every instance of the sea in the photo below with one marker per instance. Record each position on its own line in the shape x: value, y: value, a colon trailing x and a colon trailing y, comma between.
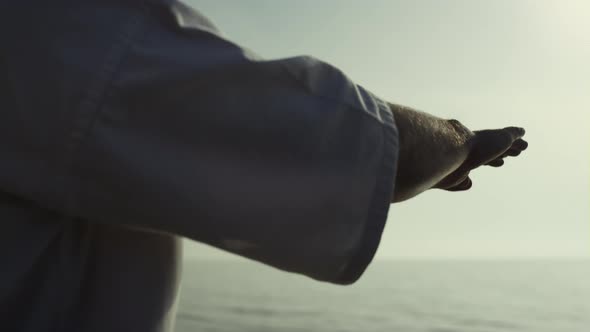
x: 402, y: 295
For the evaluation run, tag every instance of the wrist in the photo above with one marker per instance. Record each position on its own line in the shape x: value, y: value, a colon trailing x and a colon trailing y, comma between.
x: 430, y: 148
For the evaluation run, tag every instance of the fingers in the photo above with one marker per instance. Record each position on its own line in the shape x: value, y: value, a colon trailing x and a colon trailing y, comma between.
x: 515, y: 132
x: 515, y: 149
x: 520, y: 144
x: 512, y: 152
x: 496, y: 162
x: 493, y: 144
x: 465, y: 185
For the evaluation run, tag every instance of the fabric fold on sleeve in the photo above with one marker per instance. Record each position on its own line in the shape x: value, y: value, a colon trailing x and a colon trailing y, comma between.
x: 286, y: 162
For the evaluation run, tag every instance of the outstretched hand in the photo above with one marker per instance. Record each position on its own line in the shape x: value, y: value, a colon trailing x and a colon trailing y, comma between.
x: 487, y: 147
x: 439, y: 153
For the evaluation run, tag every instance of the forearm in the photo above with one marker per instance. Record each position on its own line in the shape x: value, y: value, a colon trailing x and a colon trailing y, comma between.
x: 430, y: 149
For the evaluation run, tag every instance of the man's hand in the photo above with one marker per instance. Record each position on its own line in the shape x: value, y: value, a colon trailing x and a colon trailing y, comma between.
x: 488, y: 147
x: 438, y: 153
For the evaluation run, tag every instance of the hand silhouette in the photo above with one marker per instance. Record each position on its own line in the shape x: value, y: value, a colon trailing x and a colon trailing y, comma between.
x: 487, y: 147
x: 439, y: 153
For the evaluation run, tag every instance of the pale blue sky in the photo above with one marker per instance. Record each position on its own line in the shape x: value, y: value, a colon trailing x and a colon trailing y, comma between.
x: 486, y: 63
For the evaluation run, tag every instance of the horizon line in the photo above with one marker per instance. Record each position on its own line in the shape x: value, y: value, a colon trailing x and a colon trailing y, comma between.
x: 422, y: 258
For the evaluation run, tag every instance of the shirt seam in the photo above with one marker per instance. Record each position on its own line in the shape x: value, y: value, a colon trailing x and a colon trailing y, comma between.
x: 86, y: 114
x: 91, y: 105
x: 356, y: 88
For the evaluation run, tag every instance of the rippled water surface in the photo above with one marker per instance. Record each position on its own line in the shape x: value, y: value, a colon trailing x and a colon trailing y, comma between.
x: 425, y: 296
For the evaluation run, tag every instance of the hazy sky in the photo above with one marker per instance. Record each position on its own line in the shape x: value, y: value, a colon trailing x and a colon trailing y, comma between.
x: 486, y: 63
